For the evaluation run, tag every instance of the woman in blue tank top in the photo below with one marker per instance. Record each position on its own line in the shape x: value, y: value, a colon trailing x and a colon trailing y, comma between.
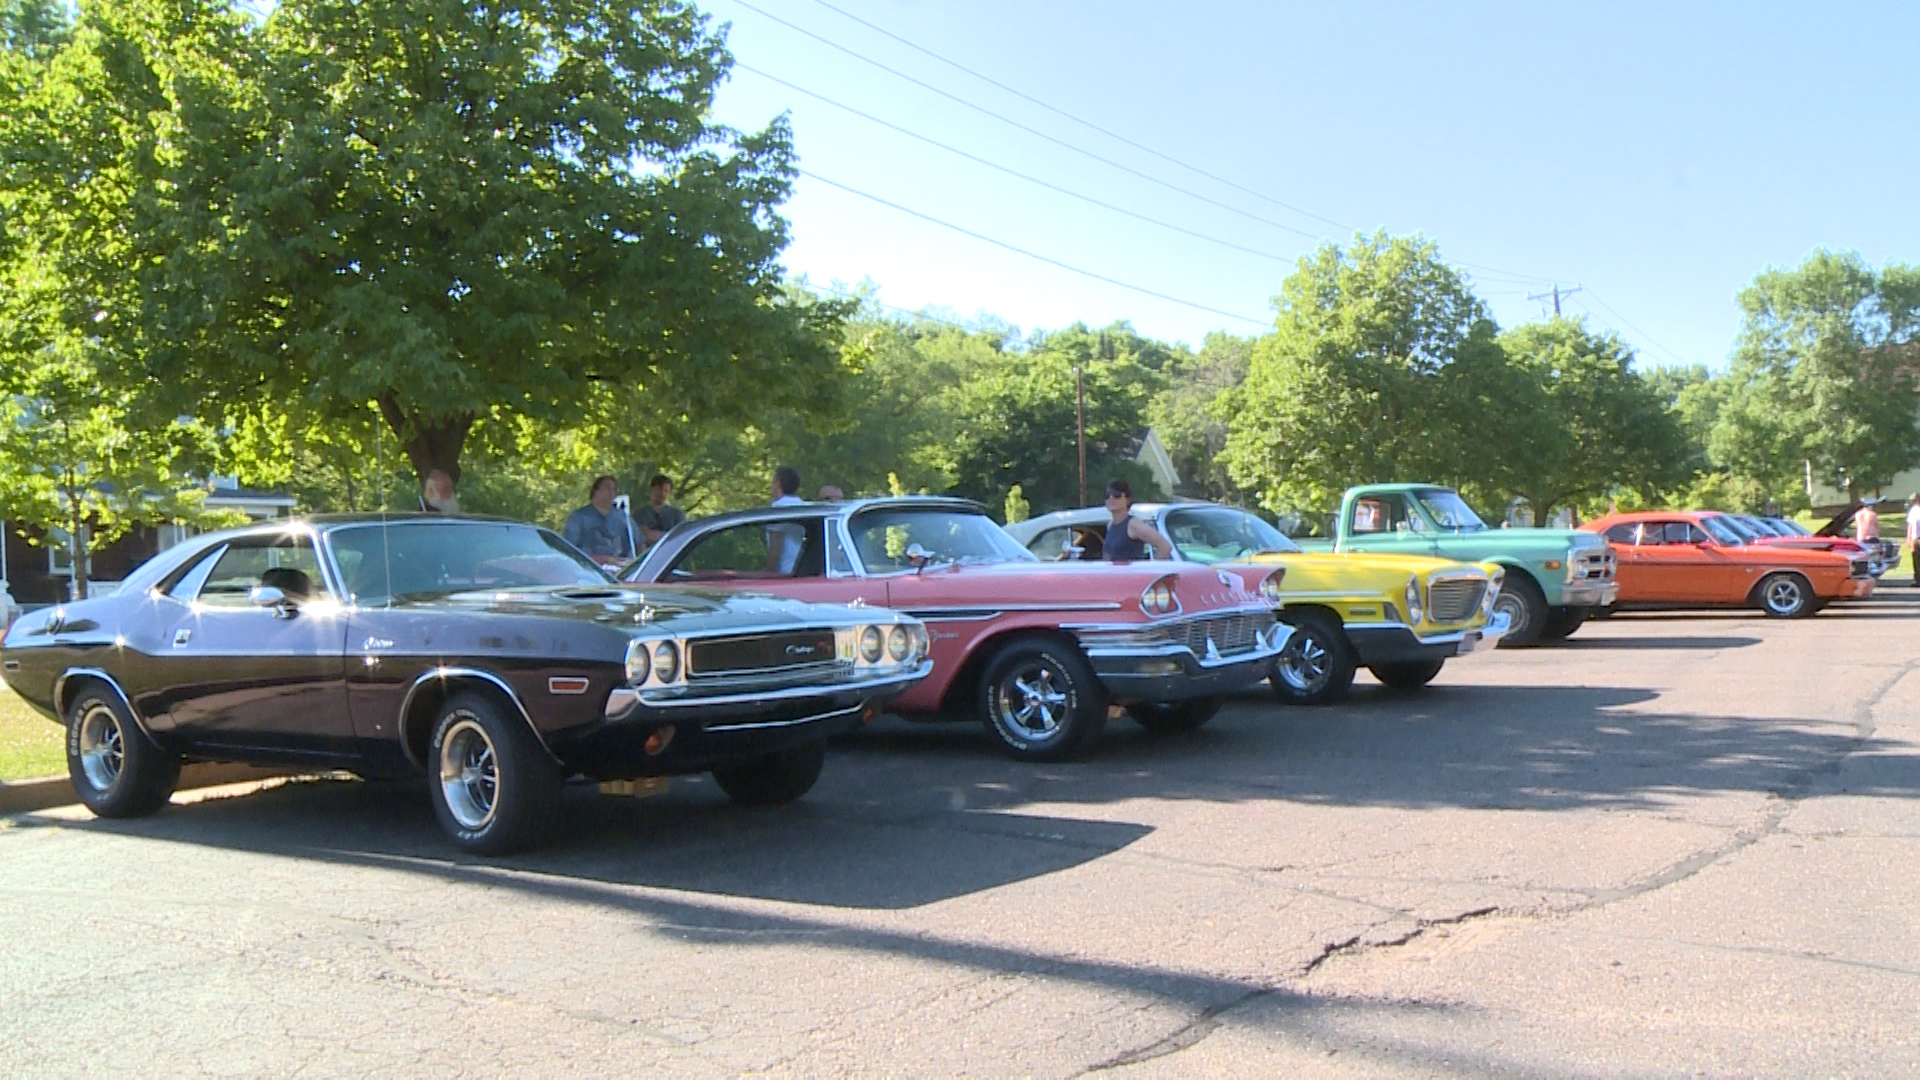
x: 1128, y: 538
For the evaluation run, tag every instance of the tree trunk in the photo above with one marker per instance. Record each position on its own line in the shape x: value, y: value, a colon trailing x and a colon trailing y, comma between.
x: 77, y: 554
x: 430, y: 442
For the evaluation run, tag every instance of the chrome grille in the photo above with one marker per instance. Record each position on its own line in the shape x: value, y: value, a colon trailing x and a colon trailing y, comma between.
x: 1592, y: 564
x: 1451, y: 600
x: 1230, y: 634
x: 752, y: 654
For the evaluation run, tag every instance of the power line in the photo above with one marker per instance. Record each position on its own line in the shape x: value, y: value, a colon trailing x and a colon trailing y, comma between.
x: 1030, y: 254
x: 1643, y: 334
x: 1009, y: 121
x: 1050, y: 186
x: 1082, y: 121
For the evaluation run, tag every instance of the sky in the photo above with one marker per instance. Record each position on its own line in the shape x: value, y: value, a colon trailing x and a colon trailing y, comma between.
x: 1653, y: 156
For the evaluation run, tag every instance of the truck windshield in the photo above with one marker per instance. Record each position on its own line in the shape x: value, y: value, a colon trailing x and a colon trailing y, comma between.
x: 1219, y: 534
x: 1450, y: 511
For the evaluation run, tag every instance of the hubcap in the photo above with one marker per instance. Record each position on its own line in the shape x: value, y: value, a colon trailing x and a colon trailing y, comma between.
x: 1516, y: 612
x: 1305, y: 663
x: 469, y: 779
x: 1783, y: 595
x: 102, y: 747
x: 1031, y: 701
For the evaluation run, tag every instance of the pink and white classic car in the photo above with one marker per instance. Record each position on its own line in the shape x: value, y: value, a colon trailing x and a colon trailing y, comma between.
x: 1038, y: 651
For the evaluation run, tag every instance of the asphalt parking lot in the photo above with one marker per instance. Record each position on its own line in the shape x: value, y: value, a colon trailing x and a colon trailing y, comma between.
x: 1679, y: 844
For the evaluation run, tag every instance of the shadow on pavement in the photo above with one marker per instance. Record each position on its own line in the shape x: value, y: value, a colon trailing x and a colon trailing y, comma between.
x: 1703, y: 643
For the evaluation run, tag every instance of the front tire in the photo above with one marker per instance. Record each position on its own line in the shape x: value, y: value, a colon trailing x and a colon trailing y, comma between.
x: 116, y: 770
x: 1562, y: 622
x: 776, y: 778
x: 1174, y: 717
x: 495, y: 790
x: 1316, y: 667
x: 1411, y: 675
x: 1040, y: 700
x: 1526, y: 609
x: 1785, y: 596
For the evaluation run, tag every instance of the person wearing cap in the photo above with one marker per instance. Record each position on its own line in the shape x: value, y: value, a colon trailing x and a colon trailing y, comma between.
x: 1913, y: 536
x: 1128, y: 538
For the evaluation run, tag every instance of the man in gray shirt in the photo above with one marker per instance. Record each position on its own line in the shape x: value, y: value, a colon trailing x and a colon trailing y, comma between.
x: 657, y: 516
x: 603, y: 531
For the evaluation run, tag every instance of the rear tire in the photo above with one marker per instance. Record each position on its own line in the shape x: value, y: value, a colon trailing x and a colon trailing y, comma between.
x: 1040, y: 701
x: 1785, y: 596
x: 1316, y: 667
x: 1562, y: 622
x: 494, y: 788
x: 1174, y: 717
x: 116, y: 770
x: 776, y: 778
x: 1411, y: 675
x: 1526, y: 609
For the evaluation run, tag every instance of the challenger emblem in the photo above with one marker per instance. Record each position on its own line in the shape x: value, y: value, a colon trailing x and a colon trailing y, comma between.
x: 799, y: 650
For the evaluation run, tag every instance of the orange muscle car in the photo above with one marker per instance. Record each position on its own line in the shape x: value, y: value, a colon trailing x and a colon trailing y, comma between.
x: 1695, y: 558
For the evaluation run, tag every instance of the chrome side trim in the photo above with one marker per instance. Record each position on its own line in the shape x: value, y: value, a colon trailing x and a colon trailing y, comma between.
x: 1251, y: 656
x: 1261, y: 608
x: 60, y: 703
x: 624, y: 700
x: 444, y: 673
x: 796, y: 722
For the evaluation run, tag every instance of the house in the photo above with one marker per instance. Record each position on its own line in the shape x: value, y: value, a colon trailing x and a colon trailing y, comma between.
x: 36, y: 567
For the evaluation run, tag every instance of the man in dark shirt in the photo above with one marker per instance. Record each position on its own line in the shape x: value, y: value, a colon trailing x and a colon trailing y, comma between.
x: 658, y: 516
x: 603, y: 531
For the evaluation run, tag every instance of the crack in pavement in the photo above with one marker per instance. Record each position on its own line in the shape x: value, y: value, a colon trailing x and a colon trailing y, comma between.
x: 1187, y: 1036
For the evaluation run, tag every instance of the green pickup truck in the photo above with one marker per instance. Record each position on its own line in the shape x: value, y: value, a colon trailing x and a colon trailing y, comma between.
x: 1554, y: 576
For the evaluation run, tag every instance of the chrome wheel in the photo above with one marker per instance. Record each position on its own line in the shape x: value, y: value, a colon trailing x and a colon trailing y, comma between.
x: 1518, y: 612
x: 1784, y: 596
x: 469, y: 774
x: 103, y: 750
x: 1305, y: 664
x: 1033, y: 700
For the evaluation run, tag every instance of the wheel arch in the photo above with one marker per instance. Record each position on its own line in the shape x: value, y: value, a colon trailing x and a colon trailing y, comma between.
x: 1806, y: 581
x: 66, y: 688
x: 432, y: 689
x: 960, y: 690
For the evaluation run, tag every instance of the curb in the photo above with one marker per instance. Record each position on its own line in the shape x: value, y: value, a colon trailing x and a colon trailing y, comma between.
x: 27, y: 796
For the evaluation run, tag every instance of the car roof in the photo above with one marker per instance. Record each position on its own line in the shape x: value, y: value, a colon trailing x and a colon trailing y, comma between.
x: 837, y: 509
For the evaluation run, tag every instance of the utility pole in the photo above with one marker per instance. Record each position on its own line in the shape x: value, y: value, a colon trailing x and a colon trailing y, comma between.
x: 1556, y: 294
x: 1080, y: 426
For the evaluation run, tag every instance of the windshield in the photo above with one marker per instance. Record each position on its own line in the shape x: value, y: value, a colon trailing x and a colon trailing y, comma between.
x: 379, y: 563
x: 1220, y: 534
x: 1721, y: 530
x: 1747, y: 530
x: 1791, y: 528
x: 1450, y: 511
x: 883, y: 536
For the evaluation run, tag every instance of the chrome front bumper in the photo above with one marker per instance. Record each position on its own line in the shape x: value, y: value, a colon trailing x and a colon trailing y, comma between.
x: 1589, y: 594
x: 1168, y: 671
x: 1397, y: 643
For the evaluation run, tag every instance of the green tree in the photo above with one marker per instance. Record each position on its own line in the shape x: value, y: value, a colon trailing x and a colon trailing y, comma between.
x: 1599, y: 427
x: 1824, y: 375
x: 452, y: 212
x: 1190, y: 413
x: 1018, y: 509
x: 1358, y: 383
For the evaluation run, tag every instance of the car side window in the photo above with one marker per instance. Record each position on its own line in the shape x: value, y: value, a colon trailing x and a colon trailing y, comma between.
x: 1623, y: 534
x: 284, y: 562
x: 1055, y: 545
x: 1677, y: 532
x: 1369, y: 516
x: 1386, y: 514
x: 788, y: 549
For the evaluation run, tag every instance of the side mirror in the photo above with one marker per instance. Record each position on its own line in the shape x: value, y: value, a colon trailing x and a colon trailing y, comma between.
x: 266, y: 596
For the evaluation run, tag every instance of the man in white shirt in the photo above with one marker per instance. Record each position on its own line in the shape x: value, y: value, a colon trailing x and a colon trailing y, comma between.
x: 1913, y: 536
x: 783, y: 541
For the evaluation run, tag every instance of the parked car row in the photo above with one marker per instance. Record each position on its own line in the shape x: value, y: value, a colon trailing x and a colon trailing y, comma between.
x: 497, y: 662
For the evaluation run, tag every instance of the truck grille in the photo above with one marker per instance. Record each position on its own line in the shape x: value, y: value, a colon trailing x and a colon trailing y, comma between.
x: 1451, y: 600
x: 1230, y: 634
x: 1591, y: 564
x: 798, y: 650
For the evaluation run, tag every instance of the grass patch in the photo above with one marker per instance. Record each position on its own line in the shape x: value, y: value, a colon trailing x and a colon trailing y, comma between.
x: 31, y: 746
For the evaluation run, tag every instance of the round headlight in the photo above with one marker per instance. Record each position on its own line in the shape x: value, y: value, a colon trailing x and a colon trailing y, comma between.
x: 870, y: 644
x: 1415, y: 611
x: 898, y: 643
x: 639, y: 662
x: 1270, y: 588
x: 666, y: 662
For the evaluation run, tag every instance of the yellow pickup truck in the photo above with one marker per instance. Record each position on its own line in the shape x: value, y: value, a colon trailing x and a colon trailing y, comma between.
x: 1402, y: 617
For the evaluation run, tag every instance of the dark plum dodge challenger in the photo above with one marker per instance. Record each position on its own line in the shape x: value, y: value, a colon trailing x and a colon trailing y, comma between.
x: 489, y: 655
